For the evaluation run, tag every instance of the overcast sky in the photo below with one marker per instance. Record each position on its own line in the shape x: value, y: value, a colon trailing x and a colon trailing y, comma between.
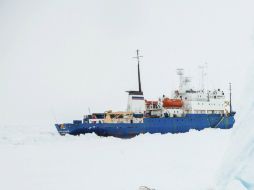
x: 57, y: 58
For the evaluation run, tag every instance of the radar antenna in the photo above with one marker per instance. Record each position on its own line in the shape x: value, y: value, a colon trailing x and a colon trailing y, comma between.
x: 203, y: 75
x: 181, y: 78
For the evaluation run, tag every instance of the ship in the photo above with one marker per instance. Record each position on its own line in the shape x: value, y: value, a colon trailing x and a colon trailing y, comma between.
x: 186, y: 109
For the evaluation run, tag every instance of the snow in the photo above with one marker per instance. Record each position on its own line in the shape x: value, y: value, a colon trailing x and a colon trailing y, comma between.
x: 238, y: 167
x: 35, y: 157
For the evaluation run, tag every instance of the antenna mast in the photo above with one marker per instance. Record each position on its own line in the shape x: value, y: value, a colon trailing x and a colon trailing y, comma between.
x: 230, y: 98
x: 139, y: 80
x: 203, y: 74
x: 181, y: 78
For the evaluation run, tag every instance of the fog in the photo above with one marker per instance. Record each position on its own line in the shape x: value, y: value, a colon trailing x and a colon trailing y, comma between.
x: 60, y: 58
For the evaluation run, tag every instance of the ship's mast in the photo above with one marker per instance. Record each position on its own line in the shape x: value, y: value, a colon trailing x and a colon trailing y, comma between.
x: 139, y: 80
x: 230, y: 98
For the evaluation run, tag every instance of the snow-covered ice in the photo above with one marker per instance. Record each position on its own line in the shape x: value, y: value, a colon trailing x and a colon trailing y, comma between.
x: 237, y: 170
x: 38, y: 158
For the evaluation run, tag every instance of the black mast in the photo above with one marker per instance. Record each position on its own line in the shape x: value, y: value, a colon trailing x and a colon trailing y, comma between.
x: 139, y: 92
x: 139, y: 80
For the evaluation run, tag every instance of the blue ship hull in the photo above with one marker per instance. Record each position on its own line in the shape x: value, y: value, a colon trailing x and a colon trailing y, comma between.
x: 151, y: 125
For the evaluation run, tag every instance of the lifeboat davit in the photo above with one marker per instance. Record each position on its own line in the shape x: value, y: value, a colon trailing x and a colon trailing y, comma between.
x: 172, y: 103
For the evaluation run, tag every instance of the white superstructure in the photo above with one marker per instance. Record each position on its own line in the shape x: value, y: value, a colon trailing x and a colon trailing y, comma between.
x: 201, y: 101
x: 136, y: 102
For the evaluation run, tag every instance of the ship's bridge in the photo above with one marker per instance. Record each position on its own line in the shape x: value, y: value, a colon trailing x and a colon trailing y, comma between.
x: 204, y: 102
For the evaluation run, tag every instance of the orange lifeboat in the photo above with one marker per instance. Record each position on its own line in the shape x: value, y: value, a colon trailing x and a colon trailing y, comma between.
x: 172, y: 103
